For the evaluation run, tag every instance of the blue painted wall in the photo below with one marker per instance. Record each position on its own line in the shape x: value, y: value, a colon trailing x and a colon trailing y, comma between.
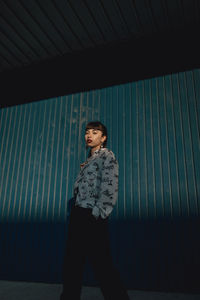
x: 154, y: 131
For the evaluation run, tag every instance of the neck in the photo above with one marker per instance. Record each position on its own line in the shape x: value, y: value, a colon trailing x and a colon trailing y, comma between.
x: 94, y: 149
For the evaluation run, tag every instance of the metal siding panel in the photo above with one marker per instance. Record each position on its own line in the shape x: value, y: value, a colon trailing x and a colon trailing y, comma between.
x: 34, y: 164
x: 196, y: 84
x: 156, y: 153
x: 11, y: 187
x: 18, y: 178
x: 149, y: 152
x: 195, y: 135
x: 181, y: 166
x: 24, y: 162
x: 154, y: 132
x: 128, y: 152
x: 6, y: 117
x: 30, y: 163
x: 142, y: 151
x: 175, y: 209
x: 121, y: 156
x: 187, y: 145
x: 164, y: 149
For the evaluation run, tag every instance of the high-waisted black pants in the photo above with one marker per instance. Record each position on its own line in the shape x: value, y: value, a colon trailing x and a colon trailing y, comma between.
x: 88, y: 237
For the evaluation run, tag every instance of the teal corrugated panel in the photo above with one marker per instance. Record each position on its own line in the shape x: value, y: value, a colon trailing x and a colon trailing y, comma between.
x: 157, y: 180
x: 188, y: 146
x: 152, y: 123
x: 154, y: 131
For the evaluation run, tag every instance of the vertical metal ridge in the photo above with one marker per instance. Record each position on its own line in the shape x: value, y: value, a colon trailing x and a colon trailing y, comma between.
x: 175, y: 150
x: 192, y: 147
x: 37, y: 213
x: 15, y: 201
x: 124, y: 150
x: 3, y: 185
x: 197, y: 114
x: 46, y: 204
x: 152, y: 149
x: 11, y: 188
x: 68, y: 156
x: 117, y: 126
x: 27, y: 196
x: 196, y: 137
x: 122, y: 153
x: 24, y: 162
x: 138, y: 153
x: 145, y: 148
x: 160, y: 151
x: 130, y: 88
x: 74, y: 163
x: 3, y: 128
x: 56, y: 158
x: 30, y: 209
x: 167, y: 147
x: 61, y: 198
x: 81, y: 122
x: 186, y: 156
x: 195, y: 87
x: 44, y: 165
x: 183, y: 140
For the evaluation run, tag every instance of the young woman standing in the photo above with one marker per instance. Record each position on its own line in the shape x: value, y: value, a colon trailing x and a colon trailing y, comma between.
x: 95, y: 192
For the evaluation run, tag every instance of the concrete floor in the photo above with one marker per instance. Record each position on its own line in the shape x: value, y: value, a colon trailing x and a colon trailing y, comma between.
x: 41, y: 291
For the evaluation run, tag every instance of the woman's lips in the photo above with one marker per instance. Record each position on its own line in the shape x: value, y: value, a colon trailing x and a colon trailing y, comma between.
x: 89, y: 141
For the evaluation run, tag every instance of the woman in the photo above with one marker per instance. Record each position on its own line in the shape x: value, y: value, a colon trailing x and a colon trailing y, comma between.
x: 95, y: 193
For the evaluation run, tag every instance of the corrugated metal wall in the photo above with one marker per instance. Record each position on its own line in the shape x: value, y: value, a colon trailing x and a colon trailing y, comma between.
x: 154, y: 130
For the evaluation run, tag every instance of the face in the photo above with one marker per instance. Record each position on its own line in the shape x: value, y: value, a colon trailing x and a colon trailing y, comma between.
x: 94, y: 138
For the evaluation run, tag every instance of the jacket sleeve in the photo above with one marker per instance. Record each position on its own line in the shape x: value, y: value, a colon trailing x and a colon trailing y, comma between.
x: 108, y: 192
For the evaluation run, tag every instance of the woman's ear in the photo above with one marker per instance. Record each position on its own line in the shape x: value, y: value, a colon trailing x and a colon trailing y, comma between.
x: 103, y: 139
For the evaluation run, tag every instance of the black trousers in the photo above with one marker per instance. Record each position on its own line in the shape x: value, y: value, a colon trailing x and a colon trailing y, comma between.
x: 88, y: 237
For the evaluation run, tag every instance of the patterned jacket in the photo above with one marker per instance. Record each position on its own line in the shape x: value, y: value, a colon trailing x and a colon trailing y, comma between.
x: 96, y: 186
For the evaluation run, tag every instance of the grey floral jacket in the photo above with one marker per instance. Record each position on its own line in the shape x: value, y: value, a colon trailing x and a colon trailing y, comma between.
x: 96, y: 186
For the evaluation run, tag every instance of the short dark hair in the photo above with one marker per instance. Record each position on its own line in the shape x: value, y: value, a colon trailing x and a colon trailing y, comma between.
x: 98, y: 126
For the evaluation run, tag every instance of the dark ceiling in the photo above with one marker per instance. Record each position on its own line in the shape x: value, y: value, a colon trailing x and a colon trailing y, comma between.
x: 50, y: 48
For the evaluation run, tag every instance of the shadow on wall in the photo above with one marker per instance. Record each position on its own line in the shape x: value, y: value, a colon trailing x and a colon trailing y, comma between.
x: 160, y: 254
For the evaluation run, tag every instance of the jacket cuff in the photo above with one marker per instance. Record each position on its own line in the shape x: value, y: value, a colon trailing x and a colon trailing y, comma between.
x: 96, y: 212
